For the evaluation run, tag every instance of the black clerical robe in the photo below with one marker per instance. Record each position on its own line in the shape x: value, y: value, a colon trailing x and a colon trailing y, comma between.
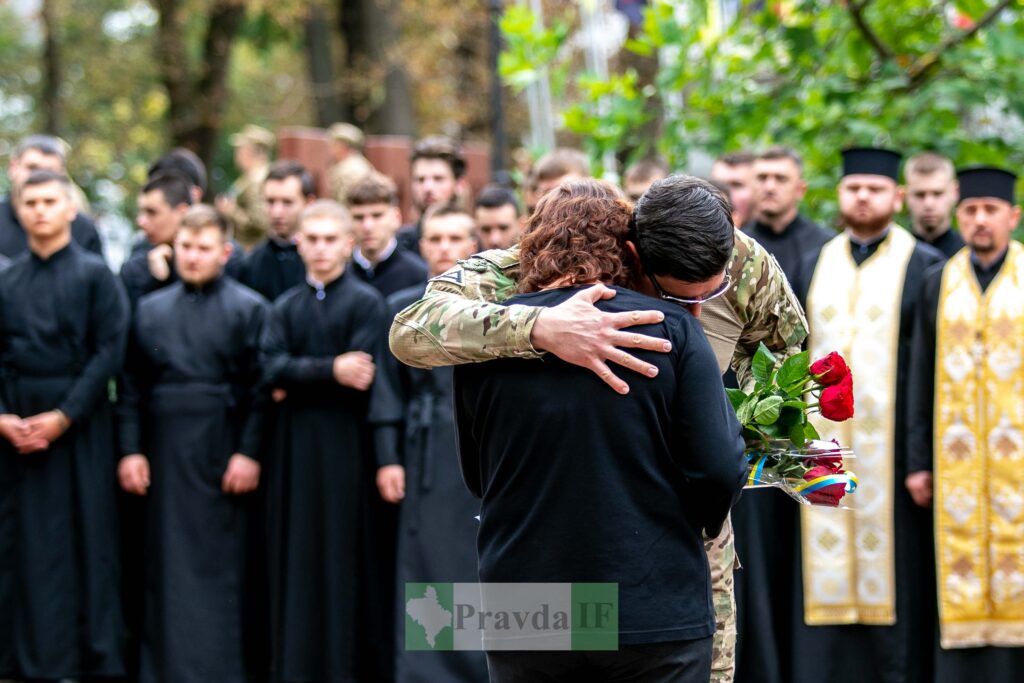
x: 400, y: 270
x: 437, y: 527
x: 139, y: 281
x: 191, y: 398
x: 408, y: 237
x: 273, y: 268
x: 763, y: 603
x: 948, y: 242
x: 990, y: 664
x: 13, y: 241
x: 901, y: 652
x: 63, y: 324
x: 320, y: 477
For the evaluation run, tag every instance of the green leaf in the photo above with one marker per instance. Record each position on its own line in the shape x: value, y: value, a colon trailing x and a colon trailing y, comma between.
x: 745, y: 413
x: 794, y: 369
x: 736, y: 397
x: 767, y: 410
x: 793, y: 403
x: 762, y: 365
x: 810, y: 433
x: 798, y: 435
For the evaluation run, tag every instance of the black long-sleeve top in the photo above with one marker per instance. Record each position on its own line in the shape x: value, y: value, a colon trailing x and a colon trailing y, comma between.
x: 209, y: 335
x: 580, y: 483
x: 272, y: 268
x: 65, y: 315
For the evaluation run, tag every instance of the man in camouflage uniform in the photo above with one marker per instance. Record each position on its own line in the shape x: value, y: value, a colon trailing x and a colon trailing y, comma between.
x: 458, y: 320
x: 244, y: 205
x: 350, y: 166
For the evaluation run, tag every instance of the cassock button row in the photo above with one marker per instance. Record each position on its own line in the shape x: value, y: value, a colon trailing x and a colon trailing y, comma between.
x: 321, y: 295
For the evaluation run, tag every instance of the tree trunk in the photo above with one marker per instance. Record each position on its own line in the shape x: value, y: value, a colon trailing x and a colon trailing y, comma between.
x: 51, y: 104
x: 321, y: 67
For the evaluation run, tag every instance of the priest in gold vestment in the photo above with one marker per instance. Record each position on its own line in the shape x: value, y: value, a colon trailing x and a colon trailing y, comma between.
x: 863, y: 606
x: 966, y: 438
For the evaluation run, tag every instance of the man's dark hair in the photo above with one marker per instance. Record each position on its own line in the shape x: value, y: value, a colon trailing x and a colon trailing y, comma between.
x: 645, y: 169
x: 443, y: 148
x: 45, y: 144
x: 184, y: 162
x: 42, y: 176
x: 683, y: 229
x: 737, y: 158
x: 780, y: 152
x: 562, y: 161
x: 173, y: 186
x: 287, y: 168
x: 494, y: 196
x: 375, y: 188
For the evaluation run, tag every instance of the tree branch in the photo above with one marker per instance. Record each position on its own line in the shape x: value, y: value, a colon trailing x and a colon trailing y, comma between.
x: 857, y: 14
x: 925, y: 65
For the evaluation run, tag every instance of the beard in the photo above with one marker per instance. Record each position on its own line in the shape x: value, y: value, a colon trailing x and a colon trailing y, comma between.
x: 868, y: 226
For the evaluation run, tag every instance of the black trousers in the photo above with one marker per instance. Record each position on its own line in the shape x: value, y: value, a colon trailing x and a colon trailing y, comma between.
x: 680, y: 661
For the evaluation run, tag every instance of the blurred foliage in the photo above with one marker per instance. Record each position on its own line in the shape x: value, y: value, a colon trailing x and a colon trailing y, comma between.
x: 812, y: 74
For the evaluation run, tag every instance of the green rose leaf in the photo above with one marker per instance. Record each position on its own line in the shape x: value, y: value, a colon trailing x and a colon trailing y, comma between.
x: 763, y: 364
x: 810, y: 433
x: 745, y: 413
x: 736, y: 397
x: 794, y: 369
x: 767, y: 410
x: 798, y: 435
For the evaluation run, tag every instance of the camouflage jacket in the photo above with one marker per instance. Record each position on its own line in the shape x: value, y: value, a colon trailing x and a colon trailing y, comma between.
x: 459, y: 319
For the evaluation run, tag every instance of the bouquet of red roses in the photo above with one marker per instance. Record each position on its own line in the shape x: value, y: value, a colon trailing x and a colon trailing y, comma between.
x: 783, y: 447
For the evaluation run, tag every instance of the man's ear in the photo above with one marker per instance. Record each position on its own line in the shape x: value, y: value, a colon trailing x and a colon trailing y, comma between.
x: 635, y: 256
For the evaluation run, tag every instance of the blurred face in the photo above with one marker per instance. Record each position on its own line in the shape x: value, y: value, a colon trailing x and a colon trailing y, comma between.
x: 868, y: 202
x: 930, y: 200
x: 545, y: 186
x: 636, y: 188
x: 740, y: 181
x: 340, y: 150
x: 445, y: 240
x: 46, y: 210
x: 200, y: 254
x: 433, y: 183
x: 778, y: 188
x: 157, y: 219
x: 325, y: 245
x: 19, y: 169
x: 374, y: 226
x: 247, y: 156
x: 986, y: 224
x: 498, y: 227
x: 285, y: 202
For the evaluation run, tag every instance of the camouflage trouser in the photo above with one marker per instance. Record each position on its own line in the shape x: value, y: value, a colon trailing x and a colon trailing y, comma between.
x: 722, y: 560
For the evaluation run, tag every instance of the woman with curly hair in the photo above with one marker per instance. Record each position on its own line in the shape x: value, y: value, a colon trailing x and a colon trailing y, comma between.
x: 582, y: 485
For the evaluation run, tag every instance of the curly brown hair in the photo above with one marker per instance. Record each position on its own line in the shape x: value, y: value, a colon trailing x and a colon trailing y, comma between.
x: 577, y: 235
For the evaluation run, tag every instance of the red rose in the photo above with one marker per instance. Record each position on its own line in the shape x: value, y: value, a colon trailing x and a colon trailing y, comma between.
x: 824, y: 457
x: 830, y: 370
x: 836, y: 402
x: 827, y: 495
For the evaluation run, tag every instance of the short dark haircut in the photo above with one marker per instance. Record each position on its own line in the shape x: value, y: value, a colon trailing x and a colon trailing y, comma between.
x: 184, y: 162
x: 560, y: 162
x: 45, y: 144
x: 646, y: 169
x: 737, y: 158
x: 781, y: 152
x: 683, y: 229
x: 201, y: 216
x: 494, y: 196
x: 42, y: 176
x: 445, y: 210
x: 443, y: 148
x: 288, y: 168
x: 173, y: 186
x: 375, y: 188
x: 927, y: 163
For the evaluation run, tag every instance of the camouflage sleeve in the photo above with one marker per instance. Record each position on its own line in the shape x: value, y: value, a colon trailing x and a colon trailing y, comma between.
x: 769, y: 310
x: 460, y: 319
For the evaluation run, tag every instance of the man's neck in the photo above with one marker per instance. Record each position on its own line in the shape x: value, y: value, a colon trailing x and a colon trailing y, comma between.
x: 46, y: 247
x: 375, y: 257
x: 283, y: 240
x: 779, y: 223
x: 321, y: 280
x: 985, y: 260
x: 869, y: 237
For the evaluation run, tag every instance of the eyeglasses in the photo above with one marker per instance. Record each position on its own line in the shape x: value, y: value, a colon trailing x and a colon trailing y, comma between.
x: 681, y: 301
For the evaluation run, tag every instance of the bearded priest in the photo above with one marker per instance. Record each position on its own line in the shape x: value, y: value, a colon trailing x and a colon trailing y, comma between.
x: 967, y: 388
x: 863, y: 605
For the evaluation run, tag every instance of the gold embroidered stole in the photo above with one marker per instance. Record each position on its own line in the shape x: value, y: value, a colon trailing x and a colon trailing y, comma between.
x: 979, y: 451
x: 848, y: 558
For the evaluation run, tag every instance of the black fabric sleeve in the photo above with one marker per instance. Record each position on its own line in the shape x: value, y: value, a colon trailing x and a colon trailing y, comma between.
x: 133, y: 387
x: 279, y: 366
x: 921, y: 384
x: 254, y: 390
x: 386, y: 397
x: 107, y: 335
x: 466, y: 445
x: 708, y: 447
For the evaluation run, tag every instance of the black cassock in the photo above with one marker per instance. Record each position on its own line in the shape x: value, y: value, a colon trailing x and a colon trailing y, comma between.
x: 400, y: 270
x: 763, y: 520
x: 138, y: 281
x: 319, y: 478
x: 13, y: 241
x: 190, y: 399
x: 948, y: 242
x: 989, y: 664
x: 883, y: 654
x: 438, y: 526
x: 272, y: 268
x: 63, y: 324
